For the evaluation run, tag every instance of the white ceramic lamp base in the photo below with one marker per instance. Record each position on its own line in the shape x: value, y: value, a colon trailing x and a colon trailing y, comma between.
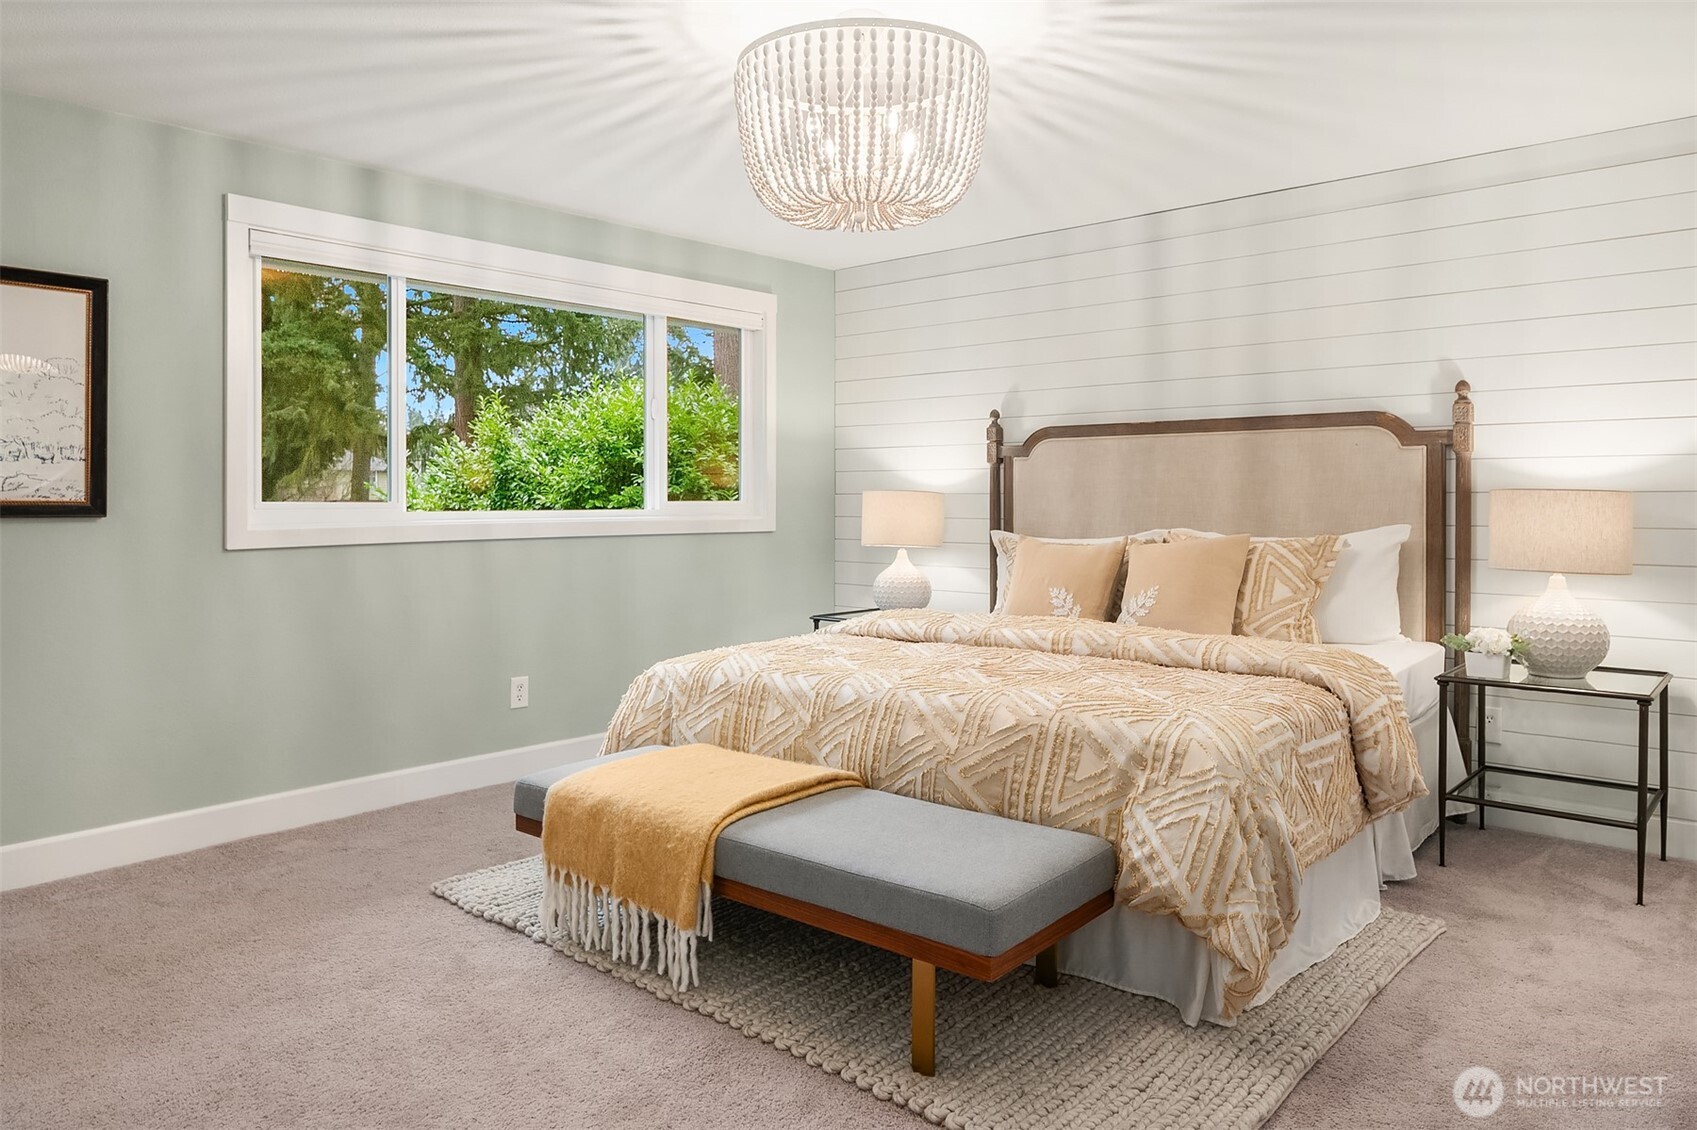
x: 1564, y: 639
x: 902, y: 585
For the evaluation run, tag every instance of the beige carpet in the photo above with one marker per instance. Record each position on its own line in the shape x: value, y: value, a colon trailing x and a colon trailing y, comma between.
x: 1010, y: 1055
x: 310, y: 979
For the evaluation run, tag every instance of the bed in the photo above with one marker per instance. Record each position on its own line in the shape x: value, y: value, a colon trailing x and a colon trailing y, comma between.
x: 1258, y: 793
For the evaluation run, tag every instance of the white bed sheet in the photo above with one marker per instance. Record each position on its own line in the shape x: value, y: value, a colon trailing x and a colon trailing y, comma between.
x: 1415, y: 664
x: 1155, y: 956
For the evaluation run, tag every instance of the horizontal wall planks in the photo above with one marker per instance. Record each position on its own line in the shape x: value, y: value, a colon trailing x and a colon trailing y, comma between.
x: 1619, y: 472
x: 1659, y: 584
x: 1225, y: 317
x: 1529, y: 718
x: 1436, y: 350
x: 1653, y: 404
x: 1612, y: 320
x: 1547, y: 378
x: 1560, y: 280
x: 1638, y: 435
x: 1285, y: 280
x: 1225, y: 252
x: 1432, y: 182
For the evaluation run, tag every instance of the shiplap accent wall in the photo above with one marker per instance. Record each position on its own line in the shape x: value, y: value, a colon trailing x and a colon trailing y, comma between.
x: 1560, y: 279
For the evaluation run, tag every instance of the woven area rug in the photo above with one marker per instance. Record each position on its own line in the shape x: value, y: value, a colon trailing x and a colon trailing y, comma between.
x: 1010, y: 1055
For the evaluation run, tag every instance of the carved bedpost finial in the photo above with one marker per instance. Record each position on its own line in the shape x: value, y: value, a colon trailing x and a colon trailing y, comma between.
x: 993, y: 437
x: 1462, y: 416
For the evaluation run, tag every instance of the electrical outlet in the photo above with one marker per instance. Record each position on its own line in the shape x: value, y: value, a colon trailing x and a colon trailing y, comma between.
x: 520, y: 696
x: 1493, y: 727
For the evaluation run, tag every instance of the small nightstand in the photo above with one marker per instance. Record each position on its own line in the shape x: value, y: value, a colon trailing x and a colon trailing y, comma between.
x: 1620, y: 683
x: 833, y: 617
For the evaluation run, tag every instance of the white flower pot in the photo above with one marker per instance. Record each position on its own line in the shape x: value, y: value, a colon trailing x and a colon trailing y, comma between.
x: 1481, y: 666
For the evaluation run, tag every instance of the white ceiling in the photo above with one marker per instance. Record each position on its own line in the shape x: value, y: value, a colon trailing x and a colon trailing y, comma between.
x: 1099, y: 109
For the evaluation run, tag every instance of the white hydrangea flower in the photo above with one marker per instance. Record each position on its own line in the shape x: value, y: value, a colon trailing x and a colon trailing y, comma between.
x: 1490, y: 641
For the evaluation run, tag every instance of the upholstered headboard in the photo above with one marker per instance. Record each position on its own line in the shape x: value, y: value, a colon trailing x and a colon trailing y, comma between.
x: 1268, y: 475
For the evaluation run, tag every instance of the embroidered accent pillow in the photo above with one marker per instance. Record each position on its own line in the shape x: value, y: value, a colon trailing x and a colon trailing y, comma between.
x: 1188, y: 586
x: 1007, y: 548
x: 1282, y: 579
x: 1071, y: 579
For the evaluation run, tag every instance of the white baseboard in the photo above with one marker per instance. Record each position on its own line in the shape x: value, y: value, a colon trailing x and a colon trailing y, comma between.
x: 78, y: 853
x: 96, y: 849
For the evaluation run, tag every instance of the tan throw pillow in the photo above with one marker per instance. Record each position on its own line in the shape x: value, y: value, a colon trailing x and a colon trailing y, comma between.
x: 1281, y: 585
x: 1007, y: 550
x: 1189, y: 586
x: 1071, y: 579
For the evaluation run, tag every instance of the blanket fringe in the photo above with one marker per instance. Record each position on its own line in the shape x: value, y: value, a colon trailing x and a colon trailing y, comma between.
x: 591, y: 917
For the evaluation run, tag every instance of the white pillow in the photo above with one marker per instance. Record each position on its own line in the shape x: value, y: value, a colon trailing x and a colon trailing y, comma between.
x: 1358, y: 603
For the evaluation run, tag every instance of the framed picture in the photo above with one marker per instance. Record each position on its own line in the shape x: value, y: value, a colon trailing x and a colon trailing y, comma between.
x: 52, y: 394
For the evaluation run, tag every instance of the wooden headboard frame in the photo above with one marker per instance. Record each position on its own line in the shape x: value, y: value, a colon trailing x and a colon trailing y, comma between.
x: 1440, y: 443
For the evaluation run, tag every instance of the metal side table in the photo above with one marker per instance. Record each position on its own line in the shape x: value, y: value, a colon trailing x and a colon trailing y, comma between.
x: 819, y: 618
x: 1621, y: 683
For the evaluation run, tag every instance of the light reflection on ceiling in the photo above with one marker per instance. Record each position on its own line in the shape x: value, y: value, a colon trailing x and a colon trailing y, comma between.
x: 1099, y: 109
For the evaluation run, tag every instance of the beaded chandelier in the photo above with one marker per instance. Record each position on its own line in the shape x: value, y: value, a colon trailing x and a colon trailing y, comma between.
x: 861, y: 124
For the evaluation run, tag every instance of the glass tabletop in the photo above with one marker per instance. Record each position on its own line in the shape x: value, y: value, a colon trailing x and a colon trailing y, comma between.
x: 842, y: 613
x: 1603, y: 682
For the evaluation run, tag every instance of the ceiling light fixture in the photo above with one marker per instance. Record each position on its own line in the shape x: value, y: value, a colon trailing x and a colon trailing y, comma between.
x: 861, y: 124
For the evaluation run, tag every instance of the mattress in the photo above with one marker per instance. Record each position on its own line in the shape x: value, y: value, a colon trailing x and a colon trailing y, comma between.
x: 1414, y: 663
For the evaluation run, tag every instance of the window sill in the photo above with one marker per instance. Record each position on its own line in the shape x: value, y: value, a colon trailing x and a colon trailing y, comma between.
x: 462, y: 526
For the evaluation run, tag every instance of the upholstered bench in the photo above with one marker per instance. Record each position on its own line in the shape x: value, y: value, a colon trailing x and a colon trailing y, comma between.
x: 965, y: 891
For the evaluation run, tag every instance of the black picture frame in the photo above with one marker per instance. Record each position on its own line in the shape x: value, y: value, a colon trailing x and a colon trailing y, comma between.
x: 93, y: 502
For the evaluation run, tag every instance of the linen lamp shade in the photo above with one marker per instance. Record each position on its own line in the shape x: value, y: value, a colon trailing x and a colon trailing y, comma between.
x: 1562, y: 531
x: 1557, y: 532
x: 901, y: 518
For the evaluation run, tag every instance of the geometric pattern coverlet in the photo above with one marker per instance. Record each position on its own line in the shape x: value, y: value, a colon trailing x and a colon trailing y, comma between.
x: 1218, y: 766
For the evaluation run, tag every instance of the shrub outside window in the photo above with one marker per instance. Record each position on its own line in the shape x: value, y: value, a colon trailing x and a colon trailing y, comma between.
x: 391, y: 384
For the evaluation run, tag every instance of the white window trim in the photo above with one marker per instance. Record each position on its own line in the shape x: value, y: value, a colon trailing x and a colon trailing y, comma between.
x: 261, y: 228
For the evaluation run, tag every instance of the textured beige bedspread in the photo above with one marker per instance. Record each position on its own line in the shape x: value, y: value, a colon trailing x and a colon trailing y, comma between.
x: 1219, y: 766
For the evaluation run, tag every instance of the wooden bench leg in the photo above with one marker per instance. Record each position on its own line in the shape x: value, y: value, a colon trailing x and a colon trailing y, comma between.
x: 924, y: 1017
x: 1048, y: 967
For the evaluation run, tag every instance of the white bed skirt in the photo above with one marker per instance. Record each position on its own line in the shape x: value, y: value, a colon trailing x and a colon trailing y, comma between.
x: 1153, y: 955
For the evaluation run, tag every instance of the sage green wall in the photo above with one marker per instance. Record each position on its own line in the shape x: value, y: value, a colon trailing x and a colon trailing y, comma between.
x: 144, y: 669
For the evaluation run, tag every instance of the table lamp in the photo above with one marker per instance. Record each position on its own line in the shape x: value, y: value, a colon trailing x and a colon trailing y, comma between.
x: 1559, y: 532
x: 901, y: 518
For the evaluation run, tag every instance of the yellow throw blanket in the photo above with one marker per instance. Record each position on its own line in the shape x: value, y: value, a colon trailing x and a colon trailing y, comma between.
x: 629, y: 845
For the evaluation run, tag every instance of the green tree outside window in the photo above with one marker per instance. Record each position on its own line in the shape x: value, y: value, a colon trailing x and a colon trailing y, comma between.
x: 509, y: 405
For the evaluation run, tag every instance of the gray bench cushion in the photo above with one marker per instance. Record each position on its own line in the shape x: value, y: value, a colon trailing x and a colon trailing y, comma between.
x: 967, y: 879
x: 530, y: 795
